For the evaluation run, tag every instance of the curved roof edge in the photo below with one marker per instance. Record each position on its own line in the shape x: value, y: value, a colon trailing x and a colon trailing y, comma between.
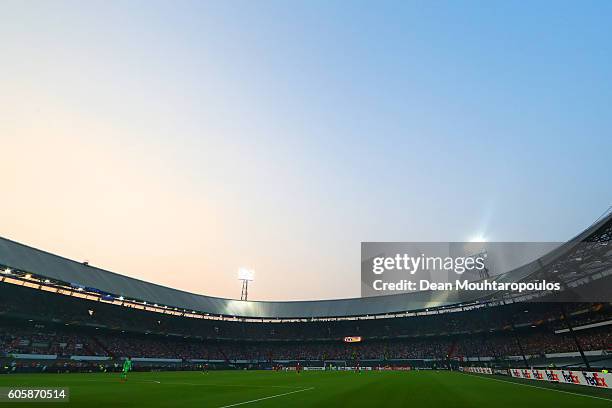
x: 41, y: 263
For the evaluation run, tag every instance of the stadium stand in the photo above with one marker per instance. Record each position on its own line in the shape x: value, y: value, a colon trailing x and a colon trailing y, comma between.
x: 51, y: 324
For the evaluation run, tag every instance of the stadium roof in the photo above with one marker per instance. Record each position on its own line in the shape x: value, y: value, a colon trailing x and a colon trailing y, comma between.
x: 24, y: 258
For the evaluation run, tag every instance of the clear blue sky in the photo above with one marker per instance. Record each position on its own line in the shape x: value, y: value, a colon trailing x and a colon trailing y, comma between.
x: 198, y: 137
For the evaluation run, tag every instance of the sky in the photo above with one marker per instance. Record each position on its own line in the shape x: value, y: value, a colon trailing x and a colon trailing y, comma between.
x: 178, y: 141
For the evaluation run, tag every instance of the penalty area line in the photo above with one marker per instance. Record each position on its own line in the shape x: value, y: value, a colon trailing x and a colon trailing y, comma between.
x: 543, y: 388
x: 266, y: 398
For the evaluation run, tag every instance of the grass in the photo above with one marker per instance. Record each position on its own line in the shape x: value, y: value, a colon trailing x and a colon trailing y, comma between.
x: 308, y: 389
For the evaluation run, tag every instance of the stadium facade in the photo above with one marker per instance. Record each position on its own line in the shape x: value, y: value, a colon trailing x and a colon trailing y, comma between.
x: 39, y: 265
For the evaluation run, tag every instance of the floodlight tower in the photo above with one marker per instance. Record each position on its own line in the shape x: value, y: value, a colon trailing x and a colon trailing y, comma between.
x: 480, y: 253
x: 484, y: 272
x: 246, y: 276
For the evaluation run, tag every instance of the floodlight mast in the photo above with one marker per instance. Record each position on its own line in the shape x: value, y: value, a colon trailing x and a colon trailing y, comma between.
x: 246, y: 276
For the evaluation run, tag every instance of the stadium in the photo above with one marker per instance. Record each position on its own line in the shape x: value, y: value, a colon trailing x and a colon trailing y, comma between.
x: 70, y: 323
x: 305, y: 203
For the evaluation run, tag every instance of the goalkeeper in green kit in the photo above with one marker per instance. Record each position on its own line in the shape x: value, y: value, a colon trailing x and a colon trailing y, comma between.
x: 127, y: 366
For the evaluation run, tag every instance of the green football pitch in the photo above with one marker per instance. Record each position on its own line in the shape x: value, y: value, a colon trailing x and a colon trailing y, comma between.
x: 308, y: 389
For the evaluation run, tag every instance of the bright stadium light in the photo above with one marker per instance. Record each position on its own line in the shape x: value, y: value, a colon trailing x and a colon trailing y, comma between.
x: 7, y: 271
x: 478, y: 238
x: 245, y: 274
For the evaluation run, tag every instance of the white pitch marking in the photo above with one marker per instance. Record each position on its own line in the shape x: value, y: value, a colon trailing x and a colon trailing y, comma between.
x: 265, y: 398
x: 543, y: 388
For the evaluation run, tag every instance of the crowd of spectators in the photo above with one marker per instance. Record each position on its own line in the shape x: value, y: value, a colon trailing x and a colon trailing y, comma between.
x: 35, y: 341
x: 68, y: 326
x: 41, y: 340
